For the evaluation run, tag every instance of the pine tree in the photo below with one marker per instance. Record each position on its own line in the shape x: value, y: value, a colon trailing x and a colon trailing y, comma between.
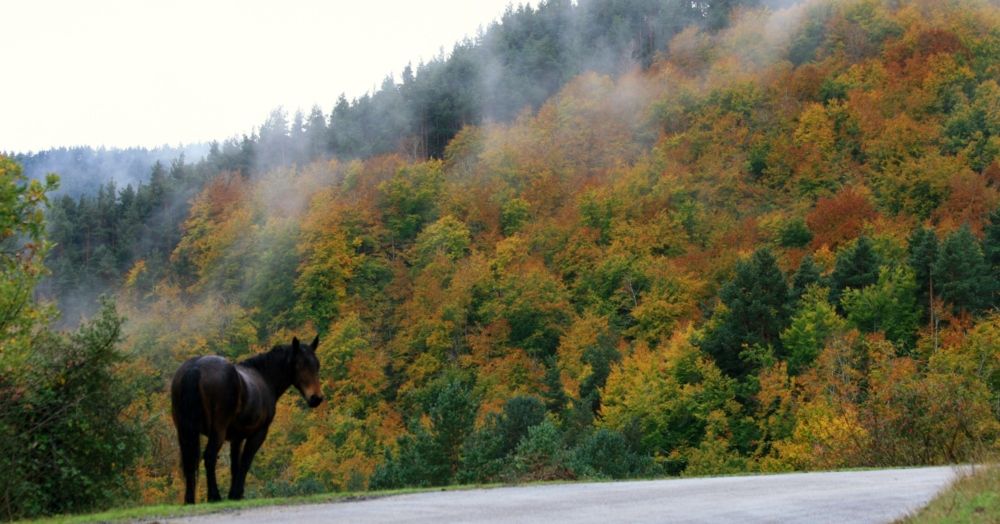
x: 316, y: 134
x: 756, y: 312
x: 962, y: 274
x: 991, y: 250
x: 296, y: 138
x: 856, y: 268
x: 923, y: 250
x: 807, y: 274
x: 554, y: 394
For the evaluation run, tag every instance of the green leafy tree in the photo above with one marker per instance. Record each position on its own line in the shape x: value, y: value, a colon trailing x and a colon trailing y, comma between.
x: 22, y: 249
x: 889, y: 306
x: 409, y: 200
x: 513, y: 215
x: 321, y: 285
x: 665, y: 397
x: 65, y: 443
x: 795, y: 233
x: 991, y: 240
x: 448, y: 236
x: 271, y: 278
x: 535, y: 306
x: 814, y: 322
x: 554, y: 393
x: 973, y: 128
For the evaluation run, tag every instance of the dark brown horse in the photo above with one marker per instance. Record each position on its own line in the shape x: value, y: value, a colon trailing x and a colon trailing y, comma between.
x: 211, y: 396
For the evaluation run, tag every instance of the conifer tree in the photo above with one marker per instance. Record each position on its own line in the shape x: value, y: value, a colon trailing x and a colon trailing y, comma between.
x: 315, y: 133
x: 805, y: 275
x: 856, y: 268
x: 923, y: 250
x: 991, y: 250
x: 756, y: 312
x: 553, y: 394
x: 962, y: 274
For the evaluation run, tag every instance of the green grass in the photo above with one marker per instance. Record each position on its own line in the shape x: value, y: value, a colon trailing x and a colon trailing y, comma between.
x: 972, y: 498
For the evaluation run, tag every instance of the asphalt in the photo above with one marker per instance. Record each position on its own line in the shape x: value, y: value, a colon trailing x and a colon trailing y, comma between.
x: 840, y: 497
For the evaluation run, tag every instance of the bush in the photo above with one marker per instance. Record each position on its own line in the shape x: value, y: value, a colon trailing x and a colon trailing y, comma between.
x: 64, y: 444
x: 485, y: 453
x: 541, y: 455
x: 429, y: 456
x: 606, y: 453
x: 795, y: 234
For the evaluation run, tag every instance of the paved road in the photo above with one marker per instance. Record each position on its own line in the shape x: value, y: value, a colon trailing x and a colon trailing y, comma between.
x: 843, y: 497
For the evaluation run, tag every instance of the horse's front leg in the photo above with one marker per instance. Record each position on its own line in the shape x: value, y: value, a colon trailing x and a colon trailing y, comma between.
x: 249, y: 450
x: 235, y: 450
x: 215, y: 440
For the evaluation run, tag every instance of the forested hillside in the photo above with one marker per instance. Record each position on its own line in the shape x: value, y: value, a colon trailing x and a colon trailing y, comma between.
x: 101, y: 226
x: 771, y: 243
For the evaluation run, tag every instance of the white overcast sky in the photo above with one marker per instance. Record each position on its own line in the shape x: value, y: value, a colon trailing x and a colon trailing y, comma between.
x: 147, y: 73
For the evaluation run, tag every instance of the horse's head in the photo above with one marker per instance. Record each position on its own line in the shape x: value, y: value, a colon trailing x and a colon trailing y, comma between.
x: 305, y: 369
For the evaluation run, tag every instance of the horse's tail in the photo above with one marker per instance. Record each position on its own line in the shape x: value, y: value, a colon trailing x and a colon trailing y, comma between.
x: 186, y: 398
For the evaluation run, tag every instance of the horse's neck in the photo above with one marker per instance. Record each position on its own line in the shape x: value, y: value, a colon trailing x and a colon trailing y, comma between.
x: 272, y: 369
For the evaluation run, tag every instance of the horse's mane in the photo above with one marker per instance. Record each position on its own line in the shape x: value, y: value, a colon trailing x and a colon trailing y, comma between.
x: 273, y: 362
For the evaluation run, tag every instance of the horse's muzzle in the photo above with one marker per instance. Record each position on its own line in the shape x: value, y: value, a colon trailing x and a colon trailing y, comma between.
x: 315, y: 400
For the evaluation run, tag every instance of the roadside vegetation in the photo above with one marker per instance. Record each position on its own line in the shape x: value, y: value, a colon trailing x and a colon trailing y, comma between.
x: 974, y: 498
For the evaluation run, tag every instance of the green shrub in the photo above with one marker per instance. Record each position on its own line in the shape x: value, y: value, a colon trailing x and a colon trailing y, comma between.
x: 64, y: 444
x: 541, y: 455
x: 606, y: 453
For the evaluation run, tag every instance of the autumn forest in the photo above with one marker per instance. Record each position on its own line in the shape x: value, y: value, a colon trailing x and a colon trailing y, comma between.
x: 669, y: 239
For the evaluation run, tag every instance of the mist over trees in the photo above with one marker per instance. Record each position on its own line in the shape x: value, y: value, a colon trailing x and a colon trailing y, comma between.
x: 114, y: 210
x: 514, y: 65
x: 98, y: 238
x: 83, y: 170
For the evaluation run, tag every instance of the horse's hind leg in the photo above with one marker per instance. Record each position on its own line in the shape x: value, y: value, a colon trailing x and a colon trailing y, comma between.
x: 189, y: 463
x: 253, y: 443
x: 235, y: 448
x: 215, y: 440
x: 186, y: 408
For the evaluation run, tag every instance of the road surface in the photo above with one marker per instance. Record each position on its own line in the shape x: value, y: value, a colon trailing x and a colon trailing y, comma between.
x: 840, y: 497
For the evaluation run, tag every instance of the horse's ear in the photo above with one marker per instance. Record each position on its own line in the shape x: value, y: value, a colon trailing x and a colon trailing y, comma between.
x: 295, y: 345
x: 315, y: 344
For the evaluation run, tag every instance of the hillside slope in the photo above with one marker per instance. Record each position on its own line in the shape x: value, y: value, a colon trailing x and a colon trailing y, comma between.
x: 776, y: 248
